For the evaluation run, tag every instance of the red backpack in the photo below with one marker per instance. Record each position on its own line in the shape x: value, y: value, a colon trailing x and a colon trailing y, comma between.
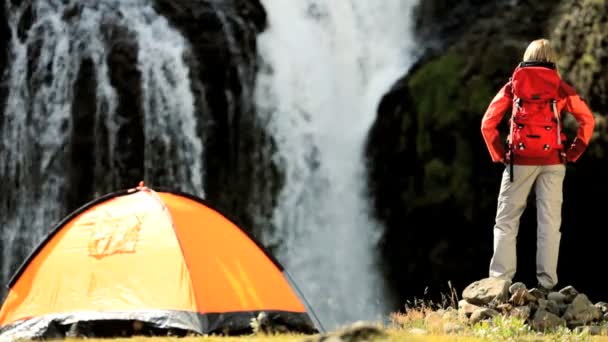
x: 535, y: 128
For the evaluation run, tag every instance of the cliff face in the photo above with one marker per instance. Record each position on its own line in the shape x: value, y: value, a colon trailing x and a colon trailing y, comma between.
x: 240, y: 175
x: 431, y: 177
x: 580, y: 36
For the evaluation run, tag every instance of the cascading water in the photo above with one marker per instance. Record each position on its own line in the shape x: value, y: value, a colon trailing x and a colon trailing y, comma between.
x: 37, y: 124
x: 327, y: 64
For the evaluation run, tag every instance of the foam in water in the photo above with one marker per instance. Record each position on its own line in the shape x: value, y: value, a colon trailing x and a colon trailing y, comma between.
x: 326, y: 66
x: 37, y: 124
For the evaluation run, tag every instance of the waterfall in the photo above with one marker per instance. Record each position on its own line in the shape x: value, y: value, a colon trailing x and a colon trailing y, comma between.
x: 38, y: 125
x: 326, y: 65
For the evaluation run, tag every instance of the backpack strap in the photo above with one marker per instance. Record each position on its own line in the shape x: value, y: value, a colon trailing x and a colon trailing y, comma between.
x: 559, y: 126
x: 516, y: 102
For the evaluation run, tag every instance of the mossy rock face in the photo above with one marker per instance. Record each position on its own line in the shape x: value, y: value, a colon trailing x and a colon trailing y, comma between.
x: 582, y: 43
x: 447, y: 105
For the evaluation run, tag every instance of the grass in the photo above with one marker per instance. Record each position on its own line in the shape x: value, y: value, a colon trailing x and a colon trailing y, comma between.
x: 443, y: 323
x: 423, y: 324
x: 393, y: 335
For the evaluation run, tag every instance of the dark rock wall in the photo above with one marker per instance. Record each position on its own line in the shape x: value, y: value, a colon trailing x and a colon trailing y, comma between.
x: 240, y: 176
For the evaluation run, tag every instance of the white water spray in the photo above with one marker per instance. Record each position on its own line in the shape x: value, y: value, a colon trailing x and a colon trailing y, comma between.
x: 327, y: 64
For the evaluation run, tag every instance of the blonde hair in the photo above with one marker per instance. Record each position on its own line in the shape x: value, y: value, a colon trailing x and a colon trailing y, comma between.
x: 540, y: 51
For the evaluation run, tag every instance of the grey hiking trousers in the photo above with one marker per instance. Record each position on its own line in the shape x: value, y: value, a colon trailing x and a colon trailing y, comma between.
x: 547, y: 181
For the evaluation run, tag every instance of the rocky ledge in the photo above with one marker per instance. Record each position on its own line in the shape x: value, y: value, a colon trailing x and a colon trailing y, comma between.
x: 542, y: 310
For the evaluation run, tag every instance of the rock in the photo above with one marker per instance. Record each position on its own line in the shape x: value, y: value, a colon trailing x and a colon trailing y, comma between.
x: 361, y: 331
x: 517, y: 286
x: 553, y: 307
x: 482, y: 314
x: 569, y: 292
x: 522, y: 312
x: 581, y: 311
x: 357, y: 332
x: 557, y: 297
x: 536, y: 293
x: 542, y: 304
x: 466, y: 307
x: 519, y: 297
x: 544, y: 320
x: 484, y: 291
x: 603, y: 306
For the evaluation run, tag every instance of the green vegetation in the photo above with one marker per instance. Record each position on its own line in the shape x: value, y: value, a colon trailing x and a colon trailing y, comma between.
x: 439, y: 81
x: 447, y: 115
x: 500, y: 328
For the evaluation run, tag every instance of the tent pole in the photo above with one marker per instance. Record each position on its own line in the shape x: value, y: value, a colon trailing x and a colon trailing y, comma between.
x: 313, y: 314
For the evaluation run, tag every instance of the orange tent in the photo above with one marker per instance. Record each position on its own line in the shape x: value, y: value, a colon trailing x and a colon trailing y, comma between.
x: 166, y: 260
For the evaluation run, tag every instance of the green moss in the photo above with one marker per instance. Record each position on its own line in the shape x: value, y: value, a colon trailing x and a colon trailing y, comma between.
x: 435, y: 87
x: 436, y: 180
x: 589, y: 61
x: 449, y: 103
x: 479, y: 94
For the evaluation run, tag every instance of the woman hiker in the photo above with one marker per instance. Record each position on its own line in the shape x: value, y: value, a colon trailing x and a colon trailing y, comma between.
x: 535, y: 156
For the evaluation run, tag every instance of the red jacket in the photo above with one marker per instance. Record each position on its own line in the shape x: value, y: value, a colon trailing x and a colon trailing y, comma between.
x: 569, y: 101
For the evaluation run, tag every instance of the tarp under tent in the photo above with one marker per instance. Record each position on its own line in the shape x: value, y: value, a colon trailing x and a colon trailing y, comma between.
x: 154, y: 261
